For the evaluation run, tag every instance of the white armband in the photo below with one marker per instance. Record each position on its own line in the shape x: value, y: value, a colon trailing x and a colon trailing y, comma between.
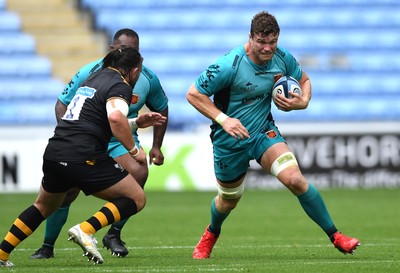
x: 132, y: 123
x: 115, y: 104
x: 221, y: 118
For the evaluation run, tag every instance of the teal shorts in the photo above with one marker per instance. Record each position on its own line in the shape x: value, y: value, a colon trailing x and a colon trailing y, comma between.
x: 116, y: 149
x: 230, y: 163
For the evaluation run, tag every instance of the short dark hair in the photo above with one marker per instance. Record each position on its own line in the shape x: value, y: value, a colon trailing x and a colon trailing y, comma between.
x: 125, y: 31
x: 123, y: 59
x: 265, y: 24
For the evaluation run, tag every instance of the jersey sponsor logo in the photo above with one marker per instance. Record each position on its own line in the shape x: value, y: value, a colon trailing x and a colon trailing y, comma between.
x: 86, y: 91
x: 249, y: 87
x: 252, y: 99
x: 261, y: 73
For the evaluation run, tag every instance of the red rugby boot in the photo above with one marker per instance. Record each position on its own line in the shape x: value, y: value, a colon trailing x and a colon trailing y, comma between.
x: 345, y: 244
x: 205, y: 245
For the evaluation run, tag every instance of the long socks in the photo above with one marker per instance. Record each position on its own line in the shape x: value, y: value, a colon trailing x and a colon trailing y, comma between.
x: 54, y: 224
x: 116, y: 227
x: 217, y: 218
x: 111, y: 212
x: 314, y: 206
x: 26, y: 223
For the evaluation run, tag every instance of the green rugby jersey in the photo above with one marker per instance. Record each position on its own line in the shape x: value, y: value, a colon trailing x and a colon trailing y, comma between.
x: 241, y: 89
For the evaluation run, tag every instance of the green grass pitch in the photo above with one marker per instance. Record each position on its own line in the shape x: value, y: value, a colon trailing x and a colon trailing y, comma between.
x: 268, y: 232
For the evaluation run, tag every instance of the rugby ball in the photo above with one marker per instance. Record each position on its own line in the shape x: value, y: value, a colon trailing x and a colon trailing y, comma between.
x: 284, y: 86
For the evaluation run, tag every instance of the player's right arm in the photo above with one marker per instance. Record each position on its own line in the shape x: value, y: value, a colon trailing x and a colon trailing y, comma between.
x: 117, y: 111
x: 60, y: 109
x: 204, y: 105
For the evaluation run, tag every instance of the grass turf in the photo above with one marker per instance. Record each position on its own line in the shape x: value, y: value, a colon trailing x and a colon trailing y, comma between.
x: 268, y: 232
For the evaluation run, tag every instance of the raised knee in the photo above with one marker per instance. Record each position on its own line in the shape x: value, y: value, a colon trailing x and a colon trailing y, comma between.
x: 140, y: 202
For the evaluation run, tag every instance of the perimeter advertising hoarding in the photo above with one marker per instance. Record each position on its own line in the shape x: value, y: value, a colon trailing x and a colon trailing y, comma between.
x: 330, y: 155
x: 341, y: 160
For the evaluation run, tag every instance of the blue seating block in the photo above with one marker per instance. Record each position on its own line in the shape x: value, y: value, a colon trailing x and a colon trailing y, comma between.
x: 30, y: 88
x: 27, y: 112
x: 25, y: 66
x: 17, y: 43
x: 9, y: 21
x: 350, y: 108
x: 180, y: 38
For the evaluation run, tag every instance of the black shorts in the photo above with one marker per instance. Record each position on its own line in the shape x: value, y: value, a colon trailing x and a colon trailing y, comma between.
x: 89, y: 176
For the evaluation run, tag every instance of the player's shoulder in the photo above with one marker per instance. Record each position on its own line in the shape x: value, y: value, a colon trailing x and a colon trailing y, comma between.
x: 237, y: 52
x: 282, y: 53
x: 91, y: 67
x: 148, y: 73
x: 232, y: 58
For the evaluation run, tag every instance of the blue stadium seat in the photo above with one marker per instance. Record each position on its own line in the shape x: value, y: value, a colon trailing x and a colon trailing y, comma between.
x: 227, y: 18
x: 238, y: 4
x: 27, y: 112
x: 355, y: 46
x: 25, y: 66
x: 307, y: 41
x: 326, y: 40
x: 17, y: 43
x: 380, y: 62
x: 30, y: 88
x: 172, y: 19
x: 343, y: 84
x: 182, y: 115
x: 193, y: 42
x: 350, y: 108
x: 9, y: 21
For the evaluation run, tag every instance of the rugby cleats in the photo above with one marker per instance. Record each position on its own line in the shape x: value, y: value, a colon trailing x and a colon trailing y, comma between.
x: 113, y: 241
x: 204, y: 247
x: 87, y: 243
x: 344, y: 244
x: 43, y: 253
x: 6, y: 263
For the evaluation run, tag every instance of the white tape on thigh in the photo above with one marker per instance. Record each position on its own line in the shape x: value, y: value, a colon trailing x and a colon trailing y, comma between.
x: 231, y: 193
x: 282, y: 162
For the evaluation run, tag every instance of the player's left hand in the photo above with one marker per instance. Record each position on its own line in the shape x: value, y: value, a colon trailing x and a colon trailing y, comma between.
x: 156, y: 157
x: 150, y: 119
x: 295, y: 102
x: 235, y: 128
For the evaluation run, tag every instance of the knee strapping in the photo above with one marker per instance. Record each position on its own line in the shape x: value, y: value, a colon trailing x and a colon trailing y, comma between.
x: 231, y: 193
x: 282, y: 162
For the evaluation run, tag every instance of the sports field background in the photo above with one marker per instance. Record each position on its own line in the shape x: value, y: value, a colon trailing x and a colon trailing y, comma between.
x: 268, y: 232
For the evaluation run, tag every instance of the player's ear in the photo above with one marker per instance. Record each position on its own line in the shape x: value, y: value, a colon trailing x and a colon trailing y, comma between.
x: 135, y: 70
x: 135, y: 73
